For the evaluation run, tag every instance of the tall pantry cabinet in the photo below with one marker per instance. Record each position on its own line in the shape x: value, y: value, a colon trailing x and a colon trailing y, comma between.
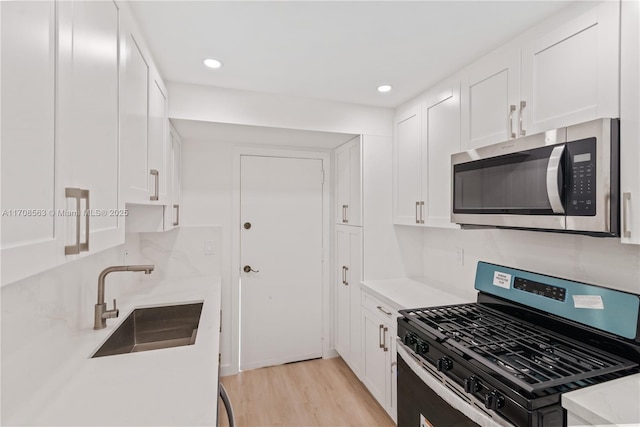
x: 348, y: 253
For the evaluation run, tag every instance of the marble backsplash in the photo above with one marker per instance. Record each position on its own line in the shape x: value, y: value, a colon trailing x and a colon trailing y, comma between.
x: 40, y: 315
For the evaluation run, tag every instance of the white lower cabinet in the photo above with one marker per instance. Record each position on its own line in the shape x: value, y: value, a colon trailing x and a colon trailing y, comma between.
x: 379, y: 352
x: 347, y: 286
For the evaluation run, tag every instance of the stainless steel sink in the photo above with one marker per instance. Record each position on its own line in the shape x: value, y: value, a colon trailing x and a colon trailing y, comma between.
x: 154, y: 328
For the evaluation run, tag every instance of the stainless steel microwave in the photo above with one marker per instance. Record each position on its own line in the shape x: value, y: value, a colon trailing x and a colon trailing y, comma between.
x: 565, y: 179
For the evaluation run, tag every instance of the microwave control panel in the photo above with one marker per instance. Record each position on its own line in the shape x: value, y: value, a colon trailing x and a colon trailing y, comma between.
x: 581, y: 174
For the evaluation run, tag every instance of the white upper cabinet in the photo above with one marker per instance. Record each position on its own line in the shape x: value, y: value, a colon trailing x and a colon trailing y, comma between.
x: 570, y: 71
x: 172, y: 211
x: 425, y: 137
x: 134, y: 110
x: 490, y: 98
x: 146, y: 148
x: 158, y: 142
x: 562, y: 72
x: 30, y: 240
x: 87, y: 134
x: 409, y: 158
x: 349, y: 183
x: 630, y: 123
x: 441, y: 138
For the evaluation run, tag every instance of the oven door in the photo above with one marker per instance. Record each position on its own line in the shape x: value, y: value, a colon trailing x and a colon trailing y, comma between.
x: 426, y: 399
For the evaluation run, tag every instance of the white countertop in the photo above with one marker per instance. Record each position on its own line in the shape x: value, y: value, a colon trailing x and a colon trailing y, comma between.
x: 615, y: 402
x: 173, y: 386
x: 405, y: 293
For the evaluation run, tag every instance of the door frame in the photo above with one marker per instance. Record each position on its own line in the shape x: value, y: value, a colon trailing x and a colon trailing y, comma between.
x: 327, y: 210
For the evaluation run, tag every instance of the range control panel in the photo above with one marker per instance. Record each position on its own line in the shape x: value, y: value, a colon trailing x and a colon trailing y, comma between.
x: 548, y: 291
x: 581, y: 185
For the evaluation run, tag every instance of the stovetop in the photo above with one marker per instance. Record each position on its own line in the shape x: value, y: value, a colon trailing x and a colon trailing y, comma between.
x: 529, y: 356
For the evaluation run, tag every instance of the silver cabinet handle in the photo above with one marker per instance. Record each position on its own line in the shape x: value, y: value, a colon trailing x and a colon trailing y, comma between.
x: 379, y: 307
x: 512, y: 109
x: 344, y: 275
x: 553, y: 171
x: 78, y: 194
x: 177, y: 221
x: 417, y: 217
x: 344, y: 213
x: 422, y: 212
x: 380, y: 336
x: 384, y: 339
x: 156, y: 191
x: 521, y: 130
x: 626, y: 204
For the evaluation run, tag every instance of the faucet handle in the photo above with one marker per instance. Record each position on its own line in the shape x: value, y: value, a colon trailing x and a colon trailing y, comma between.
x: 115, y: 310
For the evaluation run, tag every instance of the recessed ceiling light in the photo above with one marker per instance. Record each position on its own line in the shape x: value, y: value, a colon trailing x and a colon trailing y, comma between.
x: 212, y: 63
x: 384, y: 88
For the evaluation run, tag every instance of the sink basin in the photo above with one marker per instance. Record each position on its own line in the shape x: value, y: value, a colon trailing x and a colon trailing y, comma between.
x: 154, y: 328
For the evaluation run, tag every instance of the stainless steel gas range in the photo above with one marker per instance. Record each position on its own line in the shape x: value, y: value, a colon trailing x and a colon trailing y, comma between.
x: 508, y: 358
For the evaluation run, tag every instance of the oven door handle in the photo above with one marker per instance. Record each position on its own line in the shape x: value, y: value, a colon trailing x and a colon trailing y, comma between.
x: 554, y: 169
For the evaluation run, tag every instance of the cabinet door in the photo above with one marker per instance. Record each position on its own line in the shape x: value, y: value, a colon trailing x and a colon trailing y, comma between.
x: 441, y: 129
x: 349, y: 183
x: 343, y: 294
x: 134, y: 115
x: 348, y: 277
x: 176, y: 176
x: 408, y: 161
x: 28, y: 145
x: 490, y: 89
x: 570, y: 73
x: 343, y: 184
x: 375, y: 360
x: 630, y: 118
x: 87, y: 119
x: 158, y: 147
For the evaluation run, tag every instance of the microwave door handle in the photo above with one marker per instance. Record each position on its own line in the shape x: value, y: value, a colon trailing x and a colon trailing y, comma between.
x: 553, y: 170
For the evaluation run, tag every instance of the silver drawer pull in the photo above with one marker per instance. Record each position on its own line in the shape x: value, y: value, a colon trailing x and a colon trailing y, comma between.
x: 78, y: 194
x: 417, y: 217
x: 521, y: 129
x: 512, y: 109
x: 384, y: 339
x: 379, y: 307
x: 626, y: 204
x: 156, y: 191
x: 380, y: 336
x: 344, y: 275
x: 177, y: 222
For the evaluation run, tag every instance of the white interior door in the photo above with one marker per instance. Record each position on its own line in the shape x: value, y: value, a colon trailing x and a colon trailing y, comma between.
x: 281, y: 300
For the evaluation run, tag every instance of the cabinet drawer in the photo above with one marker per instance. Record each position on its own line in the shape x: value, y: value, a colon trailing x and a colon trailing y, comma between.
x: 383, y: 310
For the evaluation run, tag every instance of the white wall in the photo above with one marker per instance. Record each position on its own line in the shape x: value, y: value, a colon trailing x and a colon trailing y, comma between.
x: 211, y: 104
x: 599, y: 261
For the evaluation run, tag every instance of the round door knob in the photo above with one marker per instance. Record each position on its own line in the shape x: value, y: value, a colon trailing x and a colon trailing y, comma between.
x: 248, y: 269
x: 247, y: 225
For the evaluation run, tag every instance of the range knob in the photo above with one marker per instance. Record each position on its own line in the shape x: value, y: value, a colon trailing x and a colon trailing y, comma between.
x: 445, y: 364
x: 471, y: 384
x: 494, y: 400
x: 422, y: 347
x: 410, y: 339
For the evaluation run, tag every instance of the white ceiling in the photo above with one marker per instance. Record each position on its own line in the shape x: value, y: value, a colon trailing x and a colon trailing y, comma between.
x: 334, y: 50
x: 223, y: 132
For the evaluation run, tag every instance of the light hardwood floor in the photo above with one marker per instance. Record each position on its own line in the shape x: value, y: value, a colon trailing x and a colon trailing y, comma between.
x: 321, y: 392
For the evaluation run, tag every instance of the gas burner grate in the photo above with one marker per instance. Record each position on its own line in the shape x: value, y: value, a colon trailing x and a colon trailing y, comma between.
x: 529, y: 356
